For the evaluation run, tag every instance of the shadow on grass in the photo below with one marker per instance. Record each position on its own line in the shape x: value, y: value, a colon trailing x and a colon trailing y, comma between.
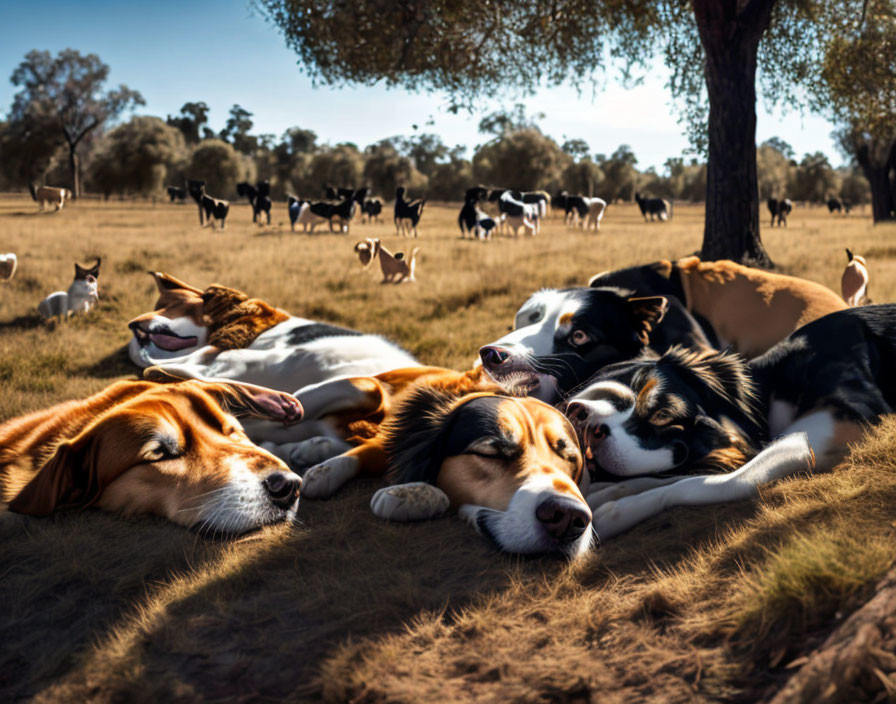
x: 21, y: 322
x: 112, y: 366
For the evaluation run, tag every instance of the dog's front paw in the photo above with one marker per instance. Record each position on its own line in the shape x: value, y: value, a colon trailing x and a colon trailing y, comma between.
x: 324, y: 479
x: 314, y: 451
x: 414, y: 501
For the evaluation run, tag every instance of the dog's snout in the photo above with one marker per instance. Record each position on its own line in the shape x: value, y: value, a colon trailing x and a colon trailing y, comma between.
x: 493, y: 356
x: 564, y: 519
x: 577, y: 412
x: 136, y: 326
x: 282, y: 488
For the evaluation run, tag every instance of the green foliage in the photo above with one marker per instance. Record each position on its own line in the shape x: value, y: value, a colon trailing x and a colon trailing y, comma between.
x: 137, y: 157
x: 191, y: 120
x: 219, y: 165
x: 236, y: 130
x: 524, y: 159
x: 814, y: 181
x: 774, y: 169
x: 385, y: 170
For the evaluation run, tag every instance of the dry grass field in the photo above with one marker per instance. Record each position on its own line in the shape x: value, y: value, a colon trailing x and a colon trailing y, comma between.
x: 708, y: 604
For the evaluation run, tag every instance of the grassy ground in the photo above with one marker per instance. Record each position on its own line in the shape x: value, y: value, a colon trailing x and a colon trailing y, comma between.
x: 696, y: 604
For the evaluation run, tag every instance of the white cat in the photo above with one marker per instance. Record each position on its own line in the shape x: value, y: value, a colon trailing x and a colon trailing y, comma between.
x: 81, y: 297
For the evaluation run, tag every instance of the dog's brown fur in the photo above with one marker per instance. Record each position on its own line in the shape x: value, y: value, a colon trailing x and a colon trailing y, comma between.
x: 854, y: 282
x: 52, y: 195
x: 751, y: 309
x: 395, y: 268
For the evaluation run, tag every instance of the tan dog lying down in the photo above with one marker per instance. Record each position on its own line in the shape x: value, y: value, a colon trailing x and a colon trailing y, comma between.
x: 396, y: 269
x: 748, y: 309
x: 171, y: 450
x: 854, y: 282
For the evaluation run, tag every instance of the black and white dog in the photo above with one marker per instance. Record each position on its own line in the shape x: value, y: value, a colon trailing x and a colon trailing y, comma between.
x: 372, y: 209
x: 473, y: 221
x: 654, y: 208
x: 562, y: 337
x: 780, y: 209
x: 687, y: 411
x: 407, y: 214
x: 213, y: 209
x: 516, y: 214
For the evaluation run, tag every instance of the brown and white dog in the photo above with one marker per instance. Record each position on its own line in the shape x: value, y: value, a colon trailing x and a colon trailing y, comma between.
x: 138, y: 447
x: 854, y: 282
x: 511, y: 466
x: 396, y: 269
x: 50, y: 195
x: 749, y: 310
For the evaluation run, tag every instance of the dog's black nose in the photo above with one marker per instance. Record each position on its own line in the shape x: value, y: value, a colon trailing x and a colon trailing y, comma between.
x: 493, y: 356
x: 282, y: 488
x: 564, y: 519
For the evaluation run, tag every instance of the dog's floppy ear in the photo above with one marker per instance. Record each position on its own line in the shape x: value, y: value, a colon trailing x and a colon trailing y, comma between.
x: 645, y: 314
x: 166, y: 283
x: 78, y: 472
x: 82, y: 272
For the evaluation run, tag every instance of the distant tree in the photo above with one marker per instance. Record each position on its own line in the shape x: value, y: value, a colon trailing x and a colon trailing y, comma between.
x: 855, y: 187
x: 137, y: 156
x: 814, y: 180
x: 192, y: 119
x: 576, y: 148
x: 774, y: 170
x: 620, y: 175
x: 339, y: 166
x: 28, y: 148
x: 502, y: 122
x: 451, y: 179
x: 583, y: 177
x: 780, y: 146
x: 237, y: 128
x: 219, y: 165
x: 524, y: 159
x: 425, y: 150
x: 385, y: 169
x: 66, y: 92
x: 290, y: 158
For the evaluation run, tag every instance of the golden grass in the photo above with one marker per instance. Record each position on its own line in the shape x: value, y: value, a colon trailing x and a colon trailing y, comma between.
x: 696, y: 604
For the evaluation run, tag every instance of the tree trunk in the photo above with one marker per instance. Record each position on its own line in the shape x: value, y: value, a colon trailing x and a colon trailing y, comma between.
x: 74, y: 168
x: 730, y: 31
x: 877, y: 170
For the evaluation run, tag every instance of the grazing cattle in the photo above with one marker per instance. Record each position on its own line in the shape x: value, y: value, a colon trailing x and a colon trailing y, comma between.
x: 372, y: 209
x: 558, y: 202
x: 215, y: 209
x: 173, y: 450
x: 472, y: 220
x: 50, y: 194
x: 8, y: 264
x: 780, y: 209
x: 854, y: 282
x: 324, y: 211
x: 654, y: 208
x: 396, y: 269
x: 517, y: 214
x: 586, y: 212
x: 176, y: 193
x: 407, y: 214
x: 262, y: 202
x: 839, y: 206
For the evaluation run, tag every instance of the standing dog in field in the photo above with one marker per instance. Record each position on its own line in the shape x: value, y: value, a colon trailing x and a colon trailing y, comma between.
x: 50, y: 194
x: 8, y: 264
x: 597, y: 207
x: 371, y: 209
x: 516, y: 214
x: 299, y: 212
x: 396, y: 269
x: 654, y: 208
x: 780, y: 209
x: 407, y: 214
x: 472, y: 220
x: 215, y: 209
x: 854, y: 282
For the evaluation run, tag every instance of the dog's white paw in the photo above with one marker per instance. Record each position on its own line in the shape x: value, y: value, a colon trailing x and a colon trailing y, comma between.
x: 612, y: 493
x: 414, y: 501
x: 314, y: 451
x: 324, y: 479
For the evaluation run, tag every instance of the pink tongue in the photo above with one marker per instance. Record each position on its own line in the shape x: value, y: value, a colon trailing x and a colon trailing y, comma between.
x: 171, y: 342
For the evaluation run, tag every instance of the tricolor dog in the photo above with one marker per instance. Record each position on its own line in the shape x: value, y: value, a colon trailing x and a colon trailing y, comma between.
x: 395, y: 267
x: 687, y: 411
x: 746, y: 309
x: 175, y: 451
x: 222, y: 333
x: 561, y: 337
x: 511, y: 466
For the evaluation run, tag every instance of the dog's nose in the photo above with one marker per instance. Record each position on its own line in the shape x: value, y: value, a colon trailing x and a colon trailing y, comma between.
x: 135, y: 326
x: 564, y: 519
x: 493, y: 356
x: 282, y: 488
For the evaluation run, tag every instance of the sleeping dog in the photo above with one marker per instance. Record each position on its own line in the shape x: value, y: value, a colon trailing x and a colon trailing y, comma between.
x: 690, y: 411
x: 561, y: 337
x: 510, y: 465
x: 141, y: 448
x: 223, y: 333
x: 747, y: 309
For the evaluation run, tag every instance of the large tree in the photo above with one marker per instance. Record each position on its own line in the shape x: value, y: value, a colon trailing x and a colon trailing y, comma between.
x: 191, y: 121
x: 473, y: 49
x: 65, y: 93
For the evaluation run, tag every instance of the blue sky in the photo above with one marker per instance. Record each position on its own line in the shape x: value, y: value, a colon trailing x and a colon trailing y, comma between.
x: 223, y: 53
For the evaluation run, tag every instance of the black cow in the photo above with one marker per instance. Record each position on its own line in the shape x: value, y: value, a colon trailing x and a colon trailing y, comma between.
x: 653, y: 208
x: 780, y: 209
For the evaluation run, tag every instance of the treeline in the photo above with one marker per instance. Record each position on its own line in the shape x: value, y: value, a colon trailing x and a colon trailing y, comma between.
x: 50, y: 138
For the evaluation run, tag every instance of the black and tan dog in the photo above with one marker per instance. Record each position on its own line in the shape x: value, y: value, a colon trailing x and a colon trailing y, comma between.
x: 684, y: 411
x: 509, y: 465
